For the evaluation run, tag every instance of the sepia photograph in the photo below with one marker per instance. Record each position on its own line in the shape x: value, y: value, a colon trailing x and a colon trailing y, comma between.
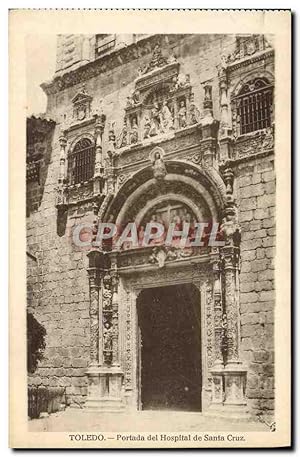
x: 151, y: 248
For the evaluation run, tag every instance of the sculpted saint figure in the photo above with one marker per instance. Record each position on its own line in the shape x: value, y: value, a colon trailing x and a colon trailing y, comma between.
x: 166, y: 118
x: 194, y: 114
x: 123, y: 137
x: 134, y: 133
x: 147, y: 127
x: 159, y: 168
x: 182, y: 115
x: 107, y: 337
x: 155, y: 120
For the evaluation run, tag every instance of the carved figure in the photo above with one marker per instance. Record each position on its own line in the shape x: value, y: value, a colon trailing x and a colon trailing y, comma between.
x: 182, y: 80
x: 123, y: 137
x: 136, y: 97
x: 194, y: 114
x: 107, y: 336
x: 159, y: 168
x: 155, y: 120
x: 134, y: 133
x: 133, y: 99
x: 157, y: 60
x: 172, y: 58
x: 111, y: 141
x: 128, y: 102
x: 182, y: 115
x: 147, y: 127
x: 166, y: 118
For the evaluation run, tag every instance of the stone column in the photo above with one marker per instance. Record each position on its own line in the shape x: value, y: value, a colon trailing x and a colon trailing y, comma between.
x: 62, y: 159
x: 109, y: 174
x: 225, y: 122
x: 235, y: 371
x: 115, y: 314
x: 94, y: 279
x: 218, y: 313
x: 209, y: 129
x: 104, y: 373
x: 107, y: 319
x: 232, y: 312
x: 62, y: 178
x: 218, y: 366
x: 99, y: 169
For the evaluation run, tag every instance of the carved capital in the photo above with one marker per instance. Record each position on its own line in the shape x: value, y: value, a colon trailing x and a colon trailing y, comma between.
x: 228, y: 176
x: 99, y: 124
x: 230, y: 256
x: 94, y: 277
x: 62, y: 141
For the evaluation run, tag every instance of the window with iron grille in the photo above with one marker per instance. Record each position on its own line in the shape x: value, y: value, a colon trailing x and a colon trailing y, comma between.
x: 254, y: 106
x: 81, y: 161
x: 104, y: 43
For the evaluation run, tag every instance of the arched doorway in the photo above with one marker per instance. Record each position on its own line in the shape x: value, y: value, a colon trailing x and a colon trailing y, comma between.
x: 169, y: 356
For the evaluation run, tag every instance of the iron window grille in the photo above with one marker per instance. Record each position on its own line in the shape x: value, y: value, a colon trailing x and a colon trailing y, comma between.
x: 104, y: 43
x: 82, y: 161
x: 254, y: 107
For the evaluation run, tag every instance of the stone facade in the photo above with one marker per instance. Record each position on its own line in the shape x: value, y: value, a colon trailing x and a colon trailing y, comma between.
x: 103, y: 91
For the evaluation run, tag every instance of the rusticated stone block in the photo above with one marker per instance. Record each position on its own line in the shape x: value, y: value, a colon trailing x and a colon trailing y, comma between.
x: 270, y: 187
x: 267, y: 295
x: 248, y: 277
x: 245, y: 181
x: 265, y: 275
x: 269, y: 222
x: 258, y: 265
x: 248, y: 255
x: 251, y: 191
x: 250, y: 318
x: 247, y: 287
x: 255, y: 225
x: 247, y: 204
x: 247, y: 344
x: 264, y: 166
x: 80, y: 362
x: 260, y: 253
x: 265, y: 201
x: 253, y: 381
x: 260, y: 233
x: 246, y: 267
x: 253, y: 330
x: 261, y: 356
x: 263, y: 285
x: 245, y: 216
x: 79, y: 381
x: 249, y: 297
x: 268, y: 176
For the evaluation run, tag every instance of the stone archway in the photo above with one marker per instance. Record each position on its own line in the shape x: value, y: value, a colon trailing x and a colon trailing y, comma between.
x: 204, y: 186
x: 117, y: 275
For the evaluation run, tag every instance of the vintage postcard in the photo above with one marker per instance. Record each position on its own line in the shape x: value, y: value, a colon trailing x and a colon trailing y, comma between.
x: 150, y: 171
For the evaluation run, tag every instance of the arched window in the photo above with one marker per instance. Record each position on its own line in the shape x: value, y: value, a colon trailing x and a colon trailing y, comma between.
x: 81, y: 161
x: 253, y: 106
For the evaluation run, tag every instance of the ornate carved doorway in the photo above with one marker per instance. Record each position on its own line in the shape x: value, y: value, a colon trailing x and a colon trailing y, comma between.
x: 169, y: 356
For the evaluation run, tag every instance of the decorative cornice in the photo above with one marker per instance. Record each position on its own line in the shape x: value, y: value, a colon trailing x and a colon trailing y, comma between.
x: 231, y: 66
x: 235, y: 162
x: 106, y: 63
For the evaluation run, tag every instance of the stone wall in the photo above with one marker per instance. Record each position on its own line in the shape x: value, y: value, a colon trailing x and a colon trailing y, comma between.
x: 59, y: 289
x: 58, y: 285
x: 197, y: 55
x: 256, y: 202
